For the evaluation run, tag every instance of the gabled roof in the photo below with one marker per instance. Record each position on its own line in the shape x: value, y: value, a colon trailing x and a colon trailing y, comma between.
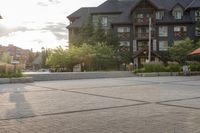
x: 194, y: 4
x: 80, y: 16
x: 81, y: 12
x: 123, y: 9
x: 178, y: 4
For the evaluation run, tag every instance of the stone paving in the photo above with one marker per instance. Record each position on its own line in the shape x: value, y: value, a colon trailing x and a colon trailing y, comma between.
x: 113, y: 105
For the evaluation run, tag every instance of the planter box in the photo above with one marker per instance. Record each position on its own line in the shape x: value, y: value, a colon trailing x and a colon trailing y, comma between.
x: 4, y: 80
x: 16, y: 80
x: 155, y: 74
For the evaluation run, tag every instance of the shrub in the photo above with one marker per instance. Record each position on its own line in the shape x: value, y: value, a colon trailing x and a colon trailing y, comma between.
x: 159, y: 67
x: 8, y: 70
x: 154, y: 67
x: 173, y: 67
x: 194, y: 66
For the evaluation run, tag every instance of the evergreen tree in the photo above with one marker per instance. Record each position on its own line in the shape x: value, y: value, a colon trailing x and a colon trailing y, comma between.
x: 99, y: 35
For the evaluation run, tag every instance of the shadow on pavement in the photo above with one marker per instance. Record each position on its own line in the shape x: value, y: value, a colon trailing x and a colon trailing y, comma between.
x: 22, y: 107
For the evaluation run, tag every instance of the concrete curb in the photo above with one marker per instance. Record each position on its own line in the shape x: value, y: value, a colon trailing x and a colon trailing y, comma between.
x: 79, y: 75
x: 16, y: 80
x: 155, y: 74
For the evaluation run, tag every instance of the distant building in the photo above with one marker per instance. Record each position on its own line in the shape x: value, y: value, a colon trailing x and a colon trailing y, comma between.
x: 19, y: 54
x: 172, y: 20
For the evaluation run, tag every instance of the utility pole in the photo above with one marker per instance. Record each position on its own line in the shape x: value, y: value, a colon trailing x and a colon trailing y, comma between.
x: 150, y: 29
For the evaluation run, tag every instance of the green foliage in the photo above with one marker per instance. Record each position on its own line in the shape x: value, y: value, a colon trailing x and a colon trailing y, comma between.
x: 173, y: 67
x: 8, y: 71
x: 194, y: 66
x: 45, y: 54
x: 154, y: 67
x: 5, y: 57
x: 180, y: 50
x: 84, y: 34
x: 98, y: 57
x: 158, y: 67
x: 94, y: 35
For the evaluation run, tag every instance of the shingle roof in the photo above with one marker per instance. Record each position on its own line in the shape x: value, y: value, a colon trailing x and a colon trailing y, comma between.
x: 81, y: 16
x: 81, y: 12
x: 124, y: 7
x: 194, y: 4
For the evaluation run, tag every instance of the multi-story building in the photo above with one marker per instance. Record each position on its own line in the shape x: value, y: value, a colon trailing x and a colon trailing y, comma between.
x: 171, y: 21
x: 15, y: 53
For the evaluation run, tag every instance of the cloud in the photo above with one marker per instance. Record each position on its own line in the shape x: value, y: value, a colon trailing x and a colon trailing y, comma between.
x: 6, y: 31
x: 48, y: 2
x: 42, y: 4
x: 58, y: 29
x: 33, y: 39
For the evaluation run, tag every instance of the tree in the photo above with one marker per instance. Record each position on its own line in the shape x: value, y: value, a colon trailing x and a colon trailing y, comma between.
x: 180, y: 50
x: 45, y: 54
x: 112, y: 39
x: 99, y: 35
x: 6, y: 58
x: 84, y: 34
x: 98, y: 57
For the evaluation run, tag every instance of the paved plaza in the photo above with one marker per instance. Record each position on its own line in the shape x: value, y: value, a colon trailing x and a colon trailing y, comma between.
x: 112, y: 105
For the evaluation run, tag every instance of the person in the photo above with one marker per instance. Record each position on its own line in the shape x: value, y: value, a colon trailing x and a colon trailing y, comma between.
x: 186, y: 70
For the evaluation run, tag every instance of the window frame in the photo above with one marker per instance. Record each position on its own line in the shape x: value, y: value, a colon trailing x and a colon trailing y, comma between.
x: 123, y: 29
x: 163, y: 48
x: 163, y: 32
x: 160, y: 15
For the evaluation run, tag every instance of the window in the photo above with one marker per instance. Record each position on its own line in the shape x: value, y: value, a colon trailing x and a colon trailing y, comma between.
x: 123, y: 33
x: 123, y: 29
x: 124, y: 45
x: 180, y: 29
x: 140, y: 15
x: 142, y: 45
x: 197, y: 15
x: 163, y: 31
x: 134, y: 45
x: 154, y: 45
x: 197, y: 31
x: 160, y: 15
x: 104, y: 21
x: 178, y: 12
x: 163, y: 45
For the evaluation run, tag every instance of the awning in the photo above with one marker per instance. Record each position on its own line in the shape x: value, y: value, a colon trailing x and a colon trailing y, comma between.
x: 195, y: 52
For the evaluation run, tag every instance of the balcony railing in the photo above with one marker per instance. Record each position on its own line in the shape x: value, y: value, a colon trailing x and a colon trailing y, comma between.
x: 143, y: 21
x: 124, y: 36
x: 180, y: 34
x: 144, y: 35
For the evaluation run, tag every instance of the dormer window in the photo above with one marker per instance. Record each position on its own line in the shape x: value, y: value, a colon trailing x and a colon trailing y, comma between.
x: 160, y: 15
x: 178, y: 12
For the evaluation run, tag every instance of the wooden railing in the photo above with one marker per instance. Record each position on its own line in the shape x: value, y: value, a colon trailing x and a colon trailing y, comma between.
x: 144, y: 35
x: 124, y: 36
x: 142, y: 21
x: 180, y: 34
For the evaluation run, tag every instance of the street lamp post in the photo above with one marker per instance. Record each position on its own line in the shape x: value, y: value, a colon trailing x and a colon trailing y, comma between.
x: 150, y: 29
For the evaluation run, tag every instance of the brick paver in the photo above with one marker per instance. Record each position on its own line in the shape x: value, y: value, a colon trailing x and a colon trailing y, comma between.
x: 123, y: 105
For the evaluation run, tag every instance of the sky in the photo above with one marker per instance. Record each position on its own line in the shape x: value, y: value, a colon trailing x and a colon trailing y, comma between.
x: 33, y: 24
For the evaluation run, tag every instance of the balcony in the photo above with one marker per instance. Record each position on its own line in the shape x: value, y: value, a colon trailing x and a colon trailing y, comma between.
x: 124, y: 36
x: 181, y: 34
x: 142, y: 21
x: 144, y: 35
